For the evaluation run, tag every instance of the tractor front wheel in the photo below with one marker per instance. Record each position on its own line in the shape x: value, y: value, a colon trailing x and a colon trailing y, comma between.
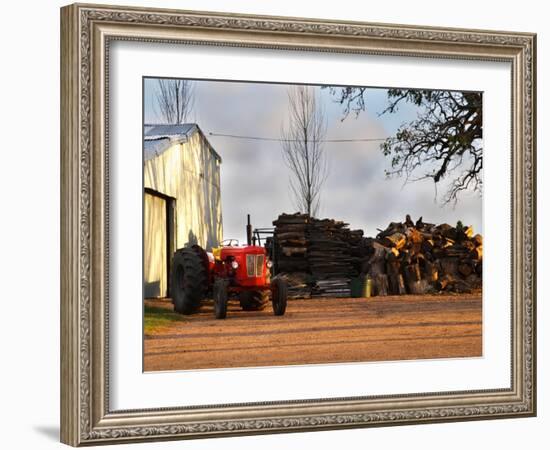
x: 220, y: 299
x: 279, y: 295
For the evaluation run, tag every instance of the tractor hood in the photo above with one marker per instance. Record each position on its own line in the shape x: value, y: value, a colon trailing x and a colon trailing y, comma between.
x: 241, y: 250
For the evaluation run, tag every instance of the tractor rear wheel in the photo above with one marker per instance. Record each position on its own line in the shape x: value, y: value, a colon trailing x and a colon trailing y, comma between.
x: 189, y: 280
x: 252, y: 300
x: 220, y: 298
x: 279, y: 294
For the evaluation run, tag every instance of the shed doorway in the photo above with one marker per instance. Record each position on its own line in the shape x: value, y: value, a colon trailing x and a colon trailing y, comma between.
x: 158, y: 243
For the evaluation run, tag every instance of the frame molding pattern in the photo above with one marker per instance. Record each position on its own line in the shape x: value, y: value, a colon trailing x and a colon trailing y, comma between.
x: 311, y: 422
x: 518, y: 48
x: 85, y: 225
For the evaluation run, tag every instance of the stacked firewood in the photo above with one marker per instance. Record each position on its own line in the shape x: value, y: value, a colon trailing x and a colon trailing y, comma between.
x: 329, y: 257
x: 319, y: 257
x: 290, y: 237
x: 359, y: 248
x: 420, y: 258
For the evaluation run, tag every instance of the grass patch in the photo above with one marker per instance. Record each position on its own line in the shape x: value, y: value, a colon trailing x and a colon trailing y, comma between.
x: 155, y: 317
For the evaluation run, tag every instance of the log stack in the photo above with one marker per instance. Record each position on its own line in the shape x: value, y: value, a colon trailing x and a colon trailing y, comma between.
x: 329, y: 258
x: 420, y: 258
x: 358, y: 248
x: 319, y: 257
x: 290, y: 237
x: 315, y: 255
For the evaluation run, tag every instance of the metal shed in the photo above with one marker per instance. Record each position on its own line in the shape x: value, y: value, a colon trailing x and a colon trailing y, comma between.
x: 182, y: 204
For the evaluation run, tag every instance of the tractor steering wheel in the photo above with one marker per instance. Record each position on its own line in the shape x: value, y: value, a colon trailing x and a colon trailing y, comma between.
x: 230, y: 242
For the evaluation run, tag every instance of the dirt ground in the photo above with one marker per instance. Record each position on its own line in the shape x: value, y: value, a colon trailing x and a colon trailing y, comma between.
x: 314, y: 331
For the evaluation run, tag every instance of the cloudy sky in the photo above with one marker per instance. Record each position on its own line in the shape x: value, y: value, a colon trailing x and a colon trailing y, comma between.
x: 255, y: 179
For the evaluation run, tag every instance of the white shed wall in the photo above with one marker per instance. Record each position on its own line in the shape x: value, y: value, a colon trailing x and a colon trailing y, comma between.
x: 190, y: 173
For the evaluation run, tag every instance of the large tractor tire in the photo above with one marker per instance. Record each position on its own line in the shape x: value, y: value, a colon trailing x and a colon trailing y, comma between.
x: 220, y: 298
x: 189, y: 280
x: 253, y: 300
x: 279, y: 294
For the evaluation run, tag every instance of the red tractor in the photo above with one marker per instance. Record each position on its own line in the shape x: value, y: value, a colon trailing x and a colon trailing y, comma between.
x: 230, y: 271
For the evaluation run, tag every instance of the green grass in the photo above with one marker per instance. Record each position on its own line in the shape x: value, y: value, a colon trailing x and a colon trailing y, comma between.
x: 155, y: 317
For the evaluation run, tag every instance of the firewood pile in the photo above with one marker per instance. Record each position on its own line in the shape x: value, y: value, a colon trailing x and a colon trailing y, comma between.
x: 319, y: 257
x: 320, y: 251
x: 291, y: 240
x: 329, y: 257
x: 420, y: 258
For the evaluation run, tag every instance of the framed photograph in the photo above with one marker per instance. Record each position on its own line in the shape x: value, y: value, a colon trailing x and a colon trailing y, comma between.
x: 277, y: 224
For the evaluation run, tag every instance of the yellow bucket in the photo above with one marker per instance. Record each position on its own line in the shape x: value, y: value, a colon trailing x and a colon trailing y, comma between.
x: 367, y: 287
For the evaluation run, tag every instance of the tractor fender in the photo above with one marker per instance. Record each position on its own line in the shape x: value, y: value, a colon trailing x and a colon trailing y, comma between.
x: 202, y: 253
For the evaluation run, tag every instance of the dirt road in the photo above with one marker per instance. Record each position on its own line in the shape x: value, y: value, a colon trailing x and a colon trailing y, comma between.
x: 316, y: 331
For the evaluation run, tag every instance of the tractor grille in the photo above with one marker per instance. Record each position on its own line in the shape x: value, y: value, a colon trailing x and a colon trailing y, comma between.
x: 254, y: 265
x: 259, y: 265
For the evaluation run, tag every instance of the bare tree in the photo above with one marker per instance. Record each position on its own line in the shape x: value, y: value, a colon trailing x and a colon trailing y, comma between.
x: 303, y: 150
x: 175, y: 100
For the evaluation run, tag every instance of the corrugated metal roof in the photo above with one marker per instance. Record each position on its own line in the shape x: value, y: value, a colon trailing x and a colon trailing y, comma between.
x: 155, y: 147
x: 159, y: 138
x: 168, y: 131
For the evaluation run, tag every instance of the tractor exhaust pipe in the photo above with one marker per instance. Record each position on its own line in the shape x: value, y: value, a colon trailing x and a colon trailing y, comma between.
x: 248, y: 230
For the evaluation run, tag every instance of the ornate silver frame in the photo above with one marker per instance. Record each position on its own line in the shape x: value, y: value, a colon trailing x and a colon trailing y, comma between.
x: 86, y: 31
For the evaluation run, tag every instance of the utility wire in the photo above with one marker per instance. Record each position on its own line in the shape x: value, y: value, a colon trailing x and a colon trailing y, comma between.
x: 259, y: 138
